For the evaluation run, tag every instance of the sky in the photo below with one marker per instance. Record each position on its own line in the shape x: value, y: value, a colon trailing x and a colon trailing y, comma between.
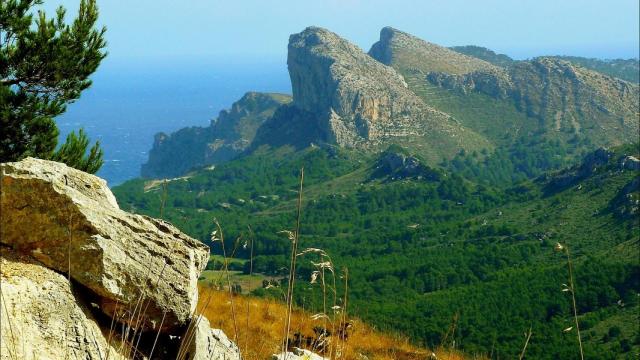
x: 258, y: 30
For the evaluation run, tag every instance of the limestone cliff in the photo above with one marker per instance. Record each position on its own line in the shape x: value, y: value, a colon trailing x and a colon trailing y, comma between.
x: 77, y: 271
x: 352, y: 100
x: 227, y: 136
x: 397, y: 47
x: 549, y: 96
x: 563, y: 97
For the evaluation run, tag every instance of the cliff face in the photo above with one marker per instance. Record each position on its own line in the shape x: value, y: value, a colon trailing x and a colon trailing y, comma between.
x: 355, y: 101
x: 227, y: 136
x: 399, y: 48
x: 563, y: 97
x: 560, y: 99
x: 432, y: 99
x: 356, y: 98
x: 73, y: 263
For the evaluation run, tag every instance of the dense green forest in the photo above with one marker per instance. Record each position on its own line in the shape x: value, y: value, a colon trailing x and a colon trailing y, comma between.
x: 463, y: 256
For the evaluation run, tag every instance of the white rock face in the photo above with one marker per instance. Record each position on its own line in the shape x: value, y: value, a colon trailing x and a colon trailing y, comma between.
x: 211, y: 344
x: 357, y: 99
x: 298, y: 354
x: 630, y: 163
x: 69, y: 256
x: 40, y: 317
x: 70, y: 221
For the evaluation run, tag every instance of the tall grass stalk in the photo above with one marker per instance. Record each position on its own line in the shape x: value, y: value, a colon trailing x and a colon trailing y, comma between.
x: 526, y: 342
x: 163, y: 199
x: 247, y: 332
x: 155, y: 341
x: 572, y: 289
x: 112, y: 328
x: 216, y: 235
x: 132, y: 316
x: 70, y: 239
x: 345, y: 303
x: 226, y: 271
x: 141, y: 318
x: 292, y: 269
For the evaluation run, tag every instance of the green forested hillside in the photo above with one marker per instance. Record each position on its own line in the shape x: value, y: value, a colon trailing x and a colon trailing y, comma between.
x: 447, y: 250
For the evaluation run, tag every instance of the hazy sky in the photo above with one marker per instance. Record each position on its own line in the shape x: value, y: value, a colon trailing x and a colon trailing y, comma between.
x: 259, y: 29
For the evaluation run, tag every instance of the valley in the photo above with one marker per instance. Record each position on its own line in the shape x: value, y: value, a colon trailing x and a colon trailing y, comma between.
x: 443, y: 183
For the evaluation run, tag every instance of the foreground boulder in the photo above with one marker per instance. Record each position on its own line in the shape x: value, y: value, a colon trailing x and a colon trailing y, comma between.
x: 210, y: 344
x: 70, y: 222
x: 41, y: 318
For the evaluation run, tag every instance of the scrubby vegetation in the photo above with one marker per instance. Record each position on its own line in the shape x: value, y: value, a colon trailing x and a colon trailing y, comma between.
x: 425, y: 256
x: 260, y: 322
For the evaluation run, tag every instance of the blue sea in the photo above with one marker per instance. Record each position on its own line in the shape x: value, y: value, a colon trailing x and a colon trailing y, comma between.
x: 131, y: 101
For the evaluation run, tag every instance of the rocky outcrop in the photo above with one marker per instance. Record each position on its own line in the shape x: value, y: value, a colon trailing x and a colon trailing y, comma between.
x: 407, y: 51
x: 69, y: 221
x: 590, y: 165
x: 495, y: 83
x: 41, y: 318
x: 559, y: 98
x: 360, y: 102
x: 357, y: 98
x: 74, y: 264
x: 211, y: 344
x: 228, y: 136
x: 562, y: 96
x: 630, y: 163
x: 396, y: 164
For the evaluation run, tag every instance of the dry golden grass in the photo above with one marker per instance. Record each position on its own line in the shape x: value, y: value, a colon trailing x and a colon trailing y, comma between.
x: 260, y: 333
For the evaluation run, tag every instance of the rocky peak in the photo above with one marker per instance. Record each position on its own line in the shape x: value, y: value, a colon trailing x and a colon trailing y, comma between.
x: 252, y: 103
x: 321, y: 63
x: 410, y: 52
x: 356, y: 99
x: 227, y: 136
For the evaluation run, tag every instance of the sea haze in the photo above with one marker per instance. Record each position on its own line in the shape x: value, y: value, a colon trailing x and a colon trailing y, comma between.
x: 130, y: 102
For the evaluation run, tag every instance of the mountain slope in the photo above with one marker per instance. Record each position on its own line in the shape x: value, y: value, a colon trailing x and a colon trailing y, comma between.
x: 624, y: 69
x: 562, y: 99
x: 226, y: 137
x: 421, y: 249
x: 401, y: 50
x: 485, y: 54
x: 354, y: 101
x: 545, y: 96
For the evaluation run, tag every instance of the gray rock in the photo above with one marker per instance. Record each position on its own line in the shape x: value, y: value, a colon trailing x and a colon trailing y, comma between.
x: 70, y: 221
x: 356, y: 100
x: 398, y: 46
x: 630, y: 163
x: 298, y: 354
x: 211, y: 344
x: 41, y: 318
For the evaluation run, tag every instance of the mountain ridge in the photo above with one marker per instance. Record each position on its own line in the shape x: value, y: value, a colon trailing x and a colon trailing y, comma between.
x: 398, y: 92
x: 225, y: 138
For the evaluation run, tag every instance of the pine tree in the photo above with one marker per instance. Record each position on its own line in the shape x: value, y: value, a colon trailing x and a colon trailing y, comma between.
x: 73, y: 152
x: 44, y: 65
